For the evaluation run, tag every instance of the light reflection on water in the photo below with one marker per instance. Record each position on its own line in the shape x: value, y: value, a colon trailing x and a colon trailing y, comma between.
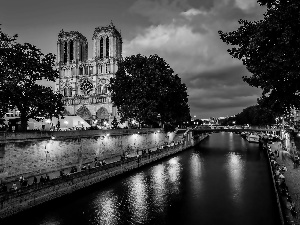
x: 158, y: 186
x: 137, y: 198
x: 212, y: 184
x: 235, y: 166
x: 174, y: 174
x: 106, y: 209
x: 196, y: 168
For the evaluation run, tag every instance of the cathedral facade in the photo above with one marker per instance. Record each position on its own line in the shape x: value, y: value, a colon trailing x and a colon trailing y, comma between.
x: 83, y: 82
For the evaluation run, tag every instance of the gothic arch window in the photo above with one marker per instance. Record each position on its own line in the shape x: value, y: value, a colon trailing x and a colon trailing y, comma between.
x: 101, y: 48
x: 73, y: 70
x: 81, y: 52
x: 104, y: 90
x: 99, y: 89
x: 106, y: 68
x: 101, y: 69
x: 70, y: 92
x: 107, y: 47
x: 71, y: 50
x: 65, y: 52
x: 65, y: 91
x: 80, y: 71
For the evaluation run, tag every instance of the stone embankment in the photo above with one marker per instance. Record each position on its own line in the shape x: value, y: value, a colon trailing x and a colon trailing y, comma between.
x: 12, y: 202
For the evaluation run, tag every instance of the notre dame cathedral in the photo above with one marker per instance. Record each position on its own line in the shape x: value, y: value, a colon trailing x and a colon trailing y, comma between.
x: 83, y: 82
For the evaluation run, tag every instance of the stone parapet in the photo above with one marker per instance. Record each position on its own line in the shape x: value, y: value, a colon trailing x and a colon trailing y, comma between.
x: 36, y: 135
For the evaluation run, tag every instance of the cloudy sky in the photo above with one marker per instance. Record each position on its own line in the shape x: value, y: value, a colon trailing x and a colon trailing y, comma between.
x: 183, y: 32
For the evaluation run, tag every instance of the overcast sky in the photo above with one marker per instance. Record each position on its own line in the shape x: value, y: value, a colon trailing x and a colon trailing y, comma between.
x: 183, y: 32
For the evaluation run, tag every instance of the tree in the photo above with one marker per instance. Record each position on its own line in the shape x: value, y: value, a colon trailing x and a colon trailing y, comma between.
x: 270, y: 50
x: 255, y: 115
x: 147, y: 90
x: 21, y: 66
x: 114, y: 123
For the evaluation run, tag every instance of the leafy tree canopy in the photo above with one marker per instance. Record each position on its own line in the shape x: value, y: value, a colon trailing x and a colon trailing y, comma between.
x: 255, y: 115
x: 147, y: 90
x: 270, y: 50
x: 21, y: 65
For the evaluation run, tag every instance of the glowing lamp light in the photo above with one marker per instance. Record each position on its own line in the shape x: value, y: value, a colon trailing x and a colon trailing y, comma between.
x: 48, y: 121
x: 52, y: 137
x: 66, y: 122
x: 107, y: 134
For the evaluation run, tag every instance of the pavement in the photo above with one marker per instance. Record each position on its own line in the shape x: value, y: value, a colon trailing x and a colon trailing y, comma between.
x: 292, y: 176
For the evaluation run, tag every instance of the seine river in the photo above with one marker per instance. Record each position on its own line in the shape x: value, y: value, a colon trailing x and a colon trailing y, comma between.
x: 224, y: 180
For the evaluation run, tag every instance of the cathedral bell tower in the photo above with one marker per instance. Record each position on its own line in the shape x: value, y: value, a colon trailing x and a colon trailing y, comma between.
x: 84, y: 82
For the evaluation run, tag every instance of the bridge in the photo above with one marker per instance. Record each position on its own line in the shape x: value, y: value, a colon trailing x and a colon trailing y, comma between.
x: 236, y: 130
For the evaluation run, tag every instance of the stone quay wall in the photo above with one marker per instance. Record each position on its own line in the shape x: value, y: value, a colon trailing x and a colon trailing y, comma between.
x: 14, y: 202
x: 42, y: 152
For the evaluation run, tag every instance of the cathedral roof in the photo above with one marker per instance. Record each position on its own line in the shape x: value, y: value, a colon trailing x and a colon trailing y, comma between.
x: 107, y: 29
x: 63, y: 35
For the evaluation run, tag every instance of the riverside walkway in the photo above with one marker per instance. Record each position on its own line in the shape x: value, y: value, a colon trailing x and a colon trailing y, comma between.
x: 292, y: 180
x: 14, y: 201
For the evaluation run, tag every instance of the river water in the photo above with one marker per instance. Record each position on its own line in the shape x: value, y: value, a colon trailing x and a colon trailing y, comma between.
x: 224, y: 180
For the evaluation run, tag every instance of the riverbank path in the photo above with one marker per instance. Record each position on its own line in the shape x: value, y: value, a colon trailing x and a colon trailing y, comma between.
x: 292, y: 176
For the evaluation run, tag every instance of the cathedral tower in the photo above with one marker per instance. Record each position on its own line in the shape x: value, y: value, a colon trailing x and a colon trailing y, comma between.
x: 72, y: 47
x: 84, y: 82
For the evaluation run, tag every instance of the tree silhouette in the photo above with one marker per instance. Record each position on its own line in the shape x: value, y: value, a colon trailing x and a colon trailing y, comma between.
x: 270, y: 50
x: 21, y: 66
x: 147, y: 90
x: 114, y: 123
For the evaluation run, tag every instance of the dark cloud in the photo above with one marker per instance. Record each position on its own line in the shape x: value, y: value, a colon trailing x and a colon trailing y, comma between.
x: 228, y: 76
x: 186, y: 36
x: 221, y: 90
